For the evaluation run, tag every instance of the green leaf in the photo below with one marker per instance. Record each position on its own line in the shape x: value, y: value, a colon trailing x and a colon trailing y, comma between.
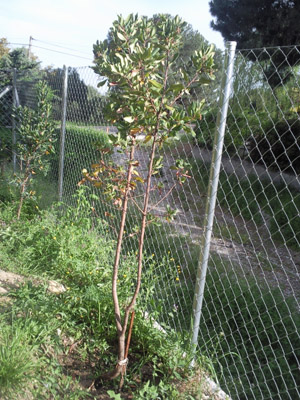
x: 121, y: 37
x: 113, y: 395
x: 177, y: 88
x: 139, y: 179
x: 156, y: 84
x: 102, y: 83
x: 169, y: 108
x: 204, y: 80
x: 147, y: 138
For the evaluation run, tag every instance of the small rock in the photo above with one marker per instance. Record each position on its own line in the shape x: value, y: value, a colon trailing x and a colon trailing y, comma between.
x: 56, y: 287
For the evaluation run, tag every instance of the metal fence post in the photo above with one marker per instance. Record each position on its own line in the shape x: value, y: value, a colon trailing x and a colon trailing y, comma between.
x: 225, y: 93
x: 62, y: 134
x: 14, y: 139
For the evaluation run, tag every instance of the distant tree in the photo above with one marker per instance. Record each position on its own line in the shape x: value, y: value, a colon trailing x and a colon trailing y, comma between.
x: 96, y: 103
x: 20, y: 60
x: 28, y: 75
x: 261, y: 23
x: 4, y: 49
x: 77, y: 95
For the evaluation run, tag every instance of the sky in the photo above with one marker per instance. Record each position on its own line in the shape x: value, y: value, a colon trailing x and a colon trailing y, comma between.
x: 73, y: 26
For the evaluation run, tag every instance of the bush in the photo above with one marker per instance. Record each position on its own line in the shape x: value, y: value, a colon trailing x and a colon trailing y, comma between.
x: 239, y: 126
x: 205, y: 129
x: 278, y: 146
x: 5, y: 146
x: 81, y: 145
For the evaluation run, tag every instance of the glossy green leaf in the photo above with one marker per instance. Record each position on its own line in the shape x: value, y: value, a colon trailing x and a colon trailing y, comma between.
x: 156, y: 84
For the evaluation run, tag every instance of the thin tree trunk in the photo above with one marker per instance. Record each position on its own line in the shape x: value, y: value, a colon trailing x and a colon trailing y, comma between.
x: 142, y: 237
x: 122, y: 367
x: 22, y: 191
x: 120, y: 328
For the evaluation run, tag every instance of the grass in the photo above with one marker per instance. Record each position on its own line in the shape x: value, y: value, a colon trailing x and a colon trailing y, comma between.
x: 17, y: 362
x: 76, y: 328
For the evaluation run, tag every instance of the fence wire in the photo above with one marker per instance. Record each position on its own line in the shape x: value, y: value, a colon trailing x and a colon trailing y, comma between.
x: 249, y: 324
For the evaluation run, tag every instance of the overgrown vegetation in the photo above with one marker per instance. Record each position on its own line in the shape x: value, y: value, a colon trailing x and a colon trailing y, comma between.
x: 82, y: 146
x: 63, y: 334
x: 35, y: 142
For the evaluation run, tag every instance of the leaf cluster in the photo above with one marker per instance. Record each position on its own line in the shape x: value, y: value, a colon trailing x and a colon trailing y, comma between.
x: 35, y: 130
x: 137, y: 65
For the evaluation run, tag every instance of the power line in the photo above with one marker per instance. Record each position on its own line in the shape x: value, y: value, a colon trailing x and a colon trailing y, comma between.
x: 61, y: 52
x: 44, y: 48
x: 62, y: 47
x: 17, y: 44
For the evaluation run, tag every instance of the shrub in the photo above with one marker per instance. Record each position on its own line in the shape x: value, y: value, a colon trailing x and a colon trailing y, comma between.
x: 35, y: 143
x: 81, y: 145
x: 277, y: 147
x: 5, y: 147
x: 239, y: 127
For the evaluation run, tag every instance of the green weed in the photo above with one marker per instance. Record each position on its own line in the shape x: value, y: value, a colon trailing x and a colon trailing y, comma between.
x: 18, y: 362
x: 75, y: 250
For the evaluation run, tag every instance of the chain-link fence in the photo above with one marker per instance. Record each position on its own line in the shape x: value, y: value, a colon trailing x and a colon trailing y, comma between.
x: 251, y: 303
x: 246, y: 266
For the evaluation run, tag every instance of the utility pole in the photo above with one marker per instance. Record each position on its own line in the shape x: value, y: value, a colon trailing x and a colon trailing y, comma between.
x: 29, y: 47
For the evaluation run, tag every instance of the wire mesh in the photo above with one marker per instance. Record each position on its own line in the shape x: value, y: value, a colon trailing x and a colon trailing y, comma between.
x: 6, y: 121
x: 250, y: 315
x: 251, y: 304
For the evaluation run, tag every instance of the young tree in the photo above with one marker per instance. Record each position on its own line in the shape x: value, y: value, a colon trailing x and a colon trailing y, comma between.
x: 139, y: 63
x: 35, y: 142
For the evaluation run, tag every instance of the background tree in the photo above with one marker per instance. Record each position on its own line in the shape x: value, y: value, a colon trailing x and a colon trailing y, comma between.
x: 35, y: 129
x: 28, y: 75
x: 4, y: 49
x: 262, y: 23
x: 77, y: 95
x: 16, y: 58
